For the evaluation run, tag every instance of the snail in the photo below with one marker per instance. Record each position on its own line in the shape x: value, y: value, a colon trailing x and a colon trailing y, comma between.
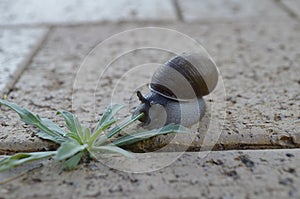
x: 176, y: 91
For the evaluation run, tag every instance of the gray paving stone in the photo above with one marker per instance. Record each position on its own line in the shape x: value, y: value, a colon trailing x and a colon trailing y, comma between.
x: 233, y: 10
x: 16, y: 48
x: 227, y: 174
x: 257, y: 62
x: 29, y: 12
x: 293, y: 5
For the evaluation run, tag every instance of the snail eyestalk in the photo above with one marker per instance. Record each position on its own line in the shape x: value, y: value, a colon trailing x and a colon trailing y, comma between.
x: 142, y: 109
x: 141, y: 97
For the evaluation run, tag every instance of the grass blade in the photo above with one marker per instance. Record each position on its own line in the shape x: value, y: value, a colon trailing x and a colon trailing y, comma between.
x: 130, y: 139
x: 21, y: 158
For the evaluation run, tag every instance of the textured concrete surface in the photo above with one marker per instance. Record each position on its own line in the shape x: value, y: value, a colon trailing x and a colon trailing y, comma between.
x: 257, y: 62
x: 16, y: 48
x: 32, y: 12
x: 227, y: 174
x: 232, y: 10
x: 293, y: 5
x: 254, y: 43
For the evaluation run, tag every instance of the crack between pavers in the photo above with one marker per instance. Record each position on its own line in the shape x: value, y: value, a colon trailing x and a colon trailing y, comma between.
x: 286, y: 9
x: 19, y: 175
x: 89, y: 23
x: 178, y: 10
x: 25, y: 63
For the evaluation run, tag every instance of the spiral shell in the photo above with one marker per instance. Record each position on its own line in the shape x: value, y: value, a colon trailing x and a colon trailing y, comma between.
x: 185, y: 77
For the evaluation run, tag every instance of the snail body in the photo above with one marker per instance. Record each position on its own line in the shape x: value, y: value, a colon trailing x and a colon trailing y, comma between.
x: 176, y: 91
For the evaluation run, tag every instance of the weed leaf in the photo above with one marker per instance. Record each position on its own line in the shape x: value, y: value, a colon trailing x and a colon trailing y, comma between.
x: 130, y: 139
x: 76, y: 129
x: 123, y: 125
x: 44, y: 125
x: 68, y: 149
x: 113, y: 149
x: 52, y: 126
x: 73, y: 161
x: 21, y: 158
x: 69, y: 119
x: 107, y: 118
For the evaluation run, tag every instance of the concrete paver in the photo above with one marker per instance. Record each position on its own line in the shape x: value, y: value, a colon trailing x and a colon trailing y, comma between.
x: 16, y: 48
x: 223, y: 174
x: 30, y: 12
x: 258, y: 56
x: 233, y: 10
x: 262, y: 112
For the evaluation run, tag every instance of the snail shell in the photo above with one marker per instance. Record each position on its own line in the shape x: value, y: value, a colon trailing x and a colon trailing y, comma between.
x: 185, y: 77
x: 176, y: 91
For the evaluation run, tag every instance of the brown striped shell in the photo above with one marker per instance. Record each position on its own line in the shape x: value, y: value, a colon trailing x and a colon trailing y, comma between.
x: 185, y: 77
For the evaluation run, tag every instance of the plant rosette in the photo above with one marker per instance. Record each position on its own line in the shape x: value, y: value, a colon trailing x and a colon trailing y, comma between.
x: 79, y: 141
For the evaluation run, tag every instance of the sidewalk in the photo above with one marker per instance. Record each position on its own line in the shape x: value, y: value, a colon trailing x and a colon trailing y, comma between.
x: 226, y: 174
x: 257, y: 51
